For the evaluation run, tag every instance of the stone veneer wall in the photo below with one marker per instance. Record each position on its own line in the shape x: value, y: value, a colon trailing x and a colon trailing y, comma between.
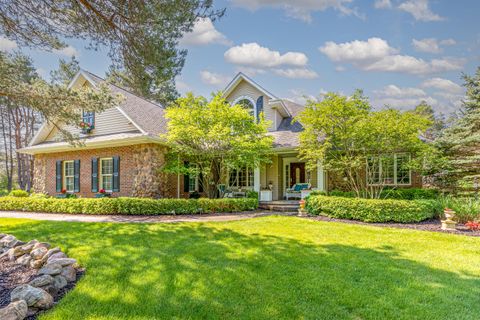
x: 140, y: 173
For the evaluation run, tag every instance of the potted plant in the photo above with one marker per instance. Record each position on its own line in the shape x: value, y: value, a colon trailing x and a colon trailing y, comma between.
x: 86, y: 127
x: 102, y: 194
x: 62, y: 195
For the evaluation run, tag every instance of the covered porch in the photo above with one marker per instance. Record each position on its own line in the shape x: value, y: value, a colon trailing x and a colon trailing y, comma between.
x: 273, y: 180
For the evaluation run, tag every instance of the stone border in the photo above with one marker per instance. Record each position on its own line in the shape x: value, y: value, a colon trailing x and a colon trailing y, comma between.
x: 54, y: 272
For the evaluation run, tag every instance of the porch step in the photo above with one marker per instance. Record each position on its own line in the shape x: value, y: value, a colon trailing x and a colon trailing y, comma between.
x: 282, y: 206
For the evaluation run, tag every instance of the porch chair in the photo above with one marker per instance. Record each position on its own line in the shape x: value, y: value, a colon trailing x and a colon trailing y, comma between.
x: 296, y: 190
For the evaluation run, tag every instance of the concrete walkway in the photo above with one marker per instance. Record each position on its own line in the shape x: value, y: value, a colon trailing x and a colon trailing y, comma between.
x: 137, y: 219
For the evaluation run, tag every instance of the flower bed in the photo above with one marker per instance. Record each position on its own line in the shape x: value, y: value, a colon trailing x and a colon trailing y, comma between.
x: 129, y: 206
x: 373, y: 210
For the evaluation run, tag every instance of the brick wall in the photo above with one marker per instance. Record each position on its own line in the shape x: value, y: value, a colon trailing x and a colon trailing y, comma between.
x: 139, y: 171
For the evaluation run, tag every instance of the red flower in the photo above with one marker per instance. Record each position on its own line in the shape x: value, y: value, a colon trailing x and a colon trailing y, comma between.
x: 472, y: 225
x: 102, y: 191
x: 64, y: 190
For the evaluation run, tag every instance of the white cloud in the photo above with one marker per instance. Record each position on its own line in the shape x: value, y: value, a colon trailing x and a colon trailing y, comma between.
x: 300, y: 9
x: 67, y: 51
x: 382, y: 4
x: 376, y: 54
x: 254, y: 55
x: 296, y: 73
x: 419, y: 10
x: 203, y: 33
x: 7, y: 44
x: 182, y: 86
x: 401, y: 98
x: 356, y: 51
x: 443, y: 84
x: 431, y: 45
x: 214, y: 79
x: 301, y: 97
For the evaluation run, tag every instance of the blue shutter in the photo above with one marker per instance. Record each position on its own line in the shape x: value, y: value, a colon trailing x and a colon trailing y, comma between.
x: 76, y: 176
x: 259, y: 107
x: 116, y: 174
x: 94, y: 174
x: 58, y: 175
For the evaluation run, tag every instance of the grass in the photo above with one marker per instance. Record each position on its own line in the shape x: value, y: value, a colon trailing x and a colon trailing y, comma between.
x: 263, y: 268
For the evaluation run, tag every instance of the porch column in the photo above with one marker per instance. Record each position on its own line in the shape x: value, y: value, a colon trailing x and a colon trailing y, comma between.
x: 256, y: 179
x: 320, y: 177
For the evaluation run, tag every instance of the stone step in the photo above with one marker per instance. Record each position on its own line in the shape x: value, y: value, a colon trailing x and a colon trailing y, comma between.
x: 282, y: 206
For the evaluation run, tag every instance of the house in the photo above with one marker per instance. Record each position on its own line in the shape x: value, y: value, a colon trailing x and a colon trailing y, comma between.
x: 122, y: 150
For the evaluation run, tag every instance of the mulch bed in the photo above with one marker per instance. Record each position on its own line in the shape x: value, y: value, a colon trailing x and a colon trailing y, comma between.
x: 13, y: 275
x: 433, y: 225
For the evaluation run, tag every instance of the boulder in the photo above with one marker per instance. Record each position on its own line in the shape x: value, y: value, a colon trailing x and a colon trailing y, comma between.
x: 63, y: 261
x: 50, y: 269
x: 16, y: 310
x: 34, y: 297
x: 59, y: 282
x: 26, y: 248
x: 38, y: 253
x: 42, y: 281
x: 25, y: 259
x: 8, y: 241
x: 69, y: 273
x: 36, y: 264
x: 52, y: 251
x: 42, y: 245
x: 2, y: 235
x: 57, y: 255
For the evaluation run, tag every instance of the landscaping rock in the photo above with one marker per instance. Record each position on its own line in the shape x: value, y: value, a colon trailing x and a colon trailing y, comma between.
x: 57, y: 255
x: 42, y: 281
x: 59, y: 282
x: 50, y: 269
x: 38, y: 253
x: 16, y: 310
x: 52, y: 251
x: 8, y: 241
x: 63, y: 261
x: 27, y: 248
x: 42, y: 245
x: 34, y: 297
x: 69, y: 273
x: 24, y: 260
x: 2, y: 235
x: 37, y: 264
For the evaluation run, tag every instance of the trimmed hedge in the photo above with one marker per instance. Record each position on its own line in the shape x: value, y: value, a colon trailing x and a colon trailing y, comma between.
x: 373, y: 210
x: 400, y: 194
x: 127, y: 206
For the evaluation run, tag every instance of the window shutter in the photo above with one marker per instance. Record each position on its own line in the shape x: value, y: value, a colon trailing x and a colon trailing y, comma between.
x: 116, y: 174
x: 94, y: 174
x: 76, y: 176
x: 259, y: 106
x: 186, y: 180
x: 59, y: 176
x: 200, y: 182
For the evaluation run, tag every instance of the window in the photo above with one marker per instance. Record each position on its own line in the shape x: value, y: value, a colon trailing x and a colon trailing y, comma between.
x: 89, y: 117
x: 241, y: 178
x: 106, y: 174
x: 389, y: 170
x: 247, y: 104
x: 68, y: 176
x: 193, y: 182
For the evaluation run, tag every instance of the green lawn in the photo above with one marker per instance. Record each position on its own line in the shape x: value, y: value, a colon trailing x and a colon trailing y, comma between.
x: 263, y: 268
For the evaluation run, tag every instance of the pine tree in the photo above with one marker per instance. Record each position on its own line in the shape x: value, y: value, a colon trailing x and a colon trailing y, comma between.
x: 461, y: 141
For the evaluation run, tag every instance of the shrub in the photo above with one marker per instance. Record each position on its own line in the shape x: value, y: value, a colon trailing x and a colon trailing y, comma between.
x: 39, y: 195
x: 338, y: 193
x: 252, y: 194
x: 3, y: 192
x: 373, y: 210
x: 466, y: 209
x: 18, y: 193
x: 128, y: 206
x: 410, y: 193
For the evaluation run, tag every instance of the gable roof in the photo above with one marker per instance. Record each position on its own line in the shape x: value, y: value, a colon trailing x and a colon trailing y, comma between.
x: 241, y: 76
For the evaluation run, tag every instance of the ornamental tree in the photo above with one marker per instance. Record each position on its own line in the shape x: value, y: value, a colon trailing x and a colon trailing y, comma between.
x: 350, y: 139
x: 208, y: 138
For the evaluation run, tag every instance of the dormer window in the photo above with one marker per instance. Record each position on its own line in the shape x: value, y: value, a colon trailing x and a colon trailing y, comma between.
x: 248, y: 104
x: 88, y: 121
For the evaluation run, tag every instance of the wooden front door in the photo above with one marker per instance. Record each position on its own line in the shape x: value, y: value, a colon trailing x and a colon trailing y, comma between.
x: 297, y: 173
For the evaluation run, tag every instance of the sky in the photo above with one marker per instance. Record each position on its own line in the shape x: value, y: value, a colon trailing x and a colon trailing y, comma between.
x: 399, y: 52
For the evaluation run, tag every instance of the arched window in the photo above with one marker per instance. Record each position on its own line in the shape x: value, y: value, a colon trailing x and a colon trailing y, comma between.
x: 247, y: 103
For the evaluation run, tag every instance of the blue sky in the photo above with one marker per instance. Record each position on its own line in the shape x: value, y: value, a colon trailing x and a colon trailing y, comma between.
x: 399, y: 51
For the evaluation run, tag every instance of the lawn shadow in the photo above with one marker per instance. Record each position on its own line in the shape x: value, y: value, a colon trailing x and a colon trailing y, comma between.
x: 143, y: 271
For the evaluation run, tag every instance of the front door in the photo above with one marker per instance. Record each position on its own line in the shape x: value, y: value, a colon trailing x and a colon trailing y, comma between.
x: 297, y: 173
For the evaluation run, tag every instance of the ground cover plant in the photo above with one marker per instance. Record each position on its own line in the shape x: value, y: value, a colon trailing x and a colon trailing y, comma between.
x: 263, y: 268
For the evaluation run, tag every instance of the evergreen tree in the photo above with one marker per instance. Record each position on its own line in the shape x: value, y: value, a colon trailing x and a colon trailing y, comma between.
x: 461, y: 141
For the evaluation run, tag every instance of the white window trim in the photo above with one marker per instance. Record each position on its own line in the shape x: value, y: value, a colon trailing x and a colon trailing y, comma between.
x: 64, y: 176
x: 395, y: 163
x: 100, y: 175
x: 249, y: 99
x: 196, y: 183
